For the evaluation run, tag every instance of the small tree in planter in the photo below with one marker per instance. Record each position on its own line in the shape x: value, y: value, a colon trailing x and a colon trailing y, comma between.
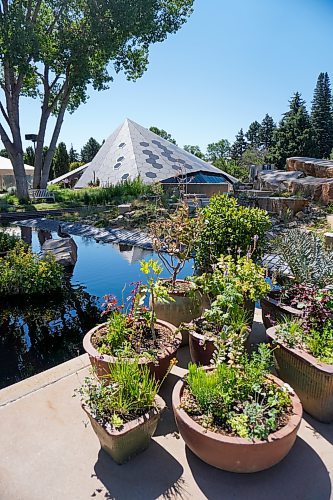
x: 174, y: 240
x: 237, y: 416
x: 123, y: 410
x: 132, y: 329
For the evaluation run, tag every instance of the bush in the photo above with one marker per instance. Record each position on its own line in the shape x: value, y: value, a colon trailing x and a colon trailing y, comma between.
x: 24, y: 273
x: 229, y: 229
x: 7, y: 242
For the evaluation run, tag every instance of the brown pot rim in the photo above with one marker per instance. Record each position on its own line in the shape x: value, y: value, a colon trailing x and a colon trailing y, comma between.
x: 282, y: 306
x: 200, y: 336
x: 306, y: 357
x: 159, y: 407
x: 90, y: 349
x: 292, y: 424
x: 178, y: 293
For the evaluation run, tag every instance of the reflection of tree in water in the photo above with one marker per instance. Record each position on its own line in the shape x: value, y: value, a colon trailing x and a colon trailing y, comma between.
x: 37, y: 334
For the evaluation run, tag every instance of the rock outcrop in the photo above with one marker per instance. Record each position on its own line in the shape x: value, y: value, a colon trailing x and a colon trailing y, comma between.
x: 314, y: 188
x: 278, y: 180
x: 64, y: 251
x: 311, y: 166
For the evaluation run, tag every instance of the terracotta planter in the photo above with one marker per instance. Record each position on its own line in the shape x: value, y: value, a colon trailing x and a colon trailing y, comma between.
x: 183, y: 309
x: 101, y: 362
x: 312, y: 380
x: 133, y: 438
x: 273, y: 311
x: 236, y: 454
x: 201, y: 348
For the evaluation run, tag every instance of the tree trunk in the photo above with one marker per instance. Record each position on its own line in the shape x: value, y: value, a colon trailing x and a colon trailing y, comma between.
x: 20, y: 177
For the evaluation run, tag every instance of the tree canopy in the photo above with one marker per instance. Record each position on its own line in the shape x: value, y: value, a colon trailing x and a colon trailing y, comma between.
x: 89, y: 150
x: 54, y: 50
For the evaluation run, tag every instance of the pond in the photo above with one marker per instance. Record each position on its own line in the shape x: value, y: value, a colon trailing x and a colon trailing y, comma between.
x: 36, y: 334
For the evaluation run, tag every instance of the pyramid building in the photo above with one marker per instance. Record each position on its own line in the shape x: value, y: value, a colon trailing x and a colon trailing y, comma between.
x: 133, y: 151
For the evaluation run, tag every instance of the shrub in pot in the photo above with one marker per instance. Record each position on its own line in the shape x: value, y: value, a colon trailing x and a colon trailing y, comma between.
x: 124, y: 410
x: 173, y: 238
x: 229, y: 228
x: 231, y: 291
x: 133, y: 330
x: 308, y: 263
x: 305, y: 354
x: 236, y: 416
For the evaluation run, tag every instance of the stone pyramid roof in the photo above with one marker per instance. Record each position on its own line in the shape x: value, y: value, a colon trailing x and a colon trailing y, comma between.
x: 133, y: 151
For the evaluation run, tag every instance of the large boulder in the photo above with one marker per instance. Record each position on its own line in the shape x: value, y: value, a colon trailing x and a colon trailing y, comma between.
x: 278, y: 180
x: 314, y: 188
x: 63, y: 250
x: 311, y: 166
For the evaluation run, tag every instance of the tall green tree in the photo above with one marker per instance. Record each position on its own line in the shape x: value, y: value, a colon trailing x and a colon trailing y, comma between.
x: 29, y: 156
x: 239, y: 146
x: 164, y: 134
x: 194, y: 150
x: 60, y: 160
x: 90, y: 150
x: 294, y: 137
x: 267, y: 132
x: 253, y: 135
x: 53, y: 50
x: 321, y: 117
x: 218, y: 150
x: 73, y: 155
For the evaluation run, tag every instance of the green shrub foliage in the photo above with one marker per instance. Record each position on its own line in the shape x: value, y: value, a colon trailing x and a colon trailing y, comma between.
x: 229, y: 229
x: 24, y: 273
x: 7, y: 242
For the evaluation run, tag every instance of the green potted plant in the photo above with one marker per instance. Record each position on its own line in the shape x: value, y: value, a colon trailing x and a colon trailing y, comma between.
x: 133, y: 330
x: 174, y: 238
x: 236, y: 416
x: 124, y: 410
x: 231, y: 291
x: 305, y: 354
x: 308, y: 263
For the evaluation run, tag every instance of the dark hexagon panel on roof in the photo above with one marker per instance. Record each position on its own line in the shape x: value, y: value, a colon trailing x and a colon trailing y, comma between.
x: 116, y: 166
x: 121, y: 145
x: 157, y: 165
x: 187, y: 165
x: 147, y: 152
x: 144, y: 144
x: 176, y: 167
x: 125, y: 176
x: 121, y: 158
x: 152, y: 175
x: 151, y: 161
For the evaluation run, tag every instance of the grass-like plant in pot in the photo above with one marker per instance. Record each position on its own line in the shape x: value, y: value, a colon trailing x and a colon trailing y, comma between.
x: 305, y: 354
x: 309, y: 263
x: 123, y: 410
x: 132, y: 330
x: 236, y: 416
x: 174, y: 239
x: 7, y: 242
x: 231, y: 291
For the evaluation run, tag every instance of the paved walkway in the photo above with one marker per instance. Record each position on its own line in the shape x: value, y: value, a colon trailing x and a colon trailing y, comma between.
x: 48, y: 452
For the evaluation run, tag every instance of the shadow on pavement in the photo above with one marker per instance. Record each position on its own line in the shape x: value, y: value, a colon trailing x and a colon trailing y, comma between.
x: 319, y: 428
x: 149, y: 475
x: 300, y: 476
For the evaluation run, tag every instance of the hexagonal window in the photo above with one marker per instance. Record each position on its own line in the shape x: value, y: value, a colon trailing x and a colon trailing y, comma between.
x: 151, y: 175
x: 157, y: 165
x: 116, y: 166
x: 144, y: 144
x: 121, y: 145
x: 124, y: 177
x: 121, y: 158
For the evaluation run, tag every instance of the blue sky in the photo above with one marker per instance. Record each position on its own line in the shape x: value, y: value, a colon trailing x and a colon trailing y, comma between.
x: 230, y: 64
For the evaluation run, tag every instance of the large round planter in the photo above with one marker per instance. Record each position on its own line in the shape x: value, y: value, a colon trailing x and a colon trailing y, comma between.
x: 312, y: 380
x: 274, y: 311
x: 235, y: 454
x: 101, y: 362
x: 182, y: 309
x: 133, y: 438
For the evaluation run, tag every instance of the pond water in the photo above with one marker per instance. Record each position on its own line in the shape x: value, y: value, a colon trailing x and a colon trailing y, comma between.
x: 36, y: 334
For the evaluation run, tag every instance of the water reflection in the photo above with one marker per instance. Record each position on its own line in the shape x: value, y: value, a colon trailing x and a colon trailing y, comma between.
x: 36, y: 335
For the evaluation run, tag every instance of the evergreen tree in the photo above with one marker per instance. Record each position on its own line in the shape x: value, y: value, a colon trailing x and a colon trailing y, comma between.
x: 73, y: 155
x: 294, y: 135
x: 239, y: 146
x: 267, y: 131
x: 218, y: 150
x: 163, y: 133
x: 253, y: 135
x: 60, y: 160
x: 321, y: 117
x: 29, y: 156
x: 90, y: 150
x: 194, y: 150
x: 3, y: 153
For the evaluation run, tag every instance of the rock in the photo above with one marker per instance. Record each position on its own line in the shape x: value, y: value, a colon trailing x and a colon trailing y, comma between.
x: 292, y: 224
x: 300, y: 215
x: 311, y: 166
x: 328, y: 241
x: 123, y: 209
x: 314, y: 188
x: 278, y: 180
x: 64, y: 251
x: 279, y: 204
x: 330, y: 220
